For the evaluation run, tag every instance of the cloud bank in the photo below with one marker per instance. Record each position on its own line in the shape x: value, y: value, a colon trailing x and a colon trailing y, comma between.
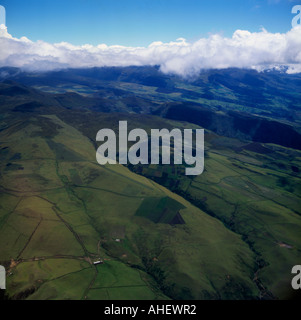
x: 257, y: 50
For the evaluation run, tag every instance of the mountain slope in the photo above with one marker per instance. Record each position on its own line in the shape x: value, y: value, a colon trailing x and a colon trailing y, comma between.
x: 230, y: 233
x: 60, y: 211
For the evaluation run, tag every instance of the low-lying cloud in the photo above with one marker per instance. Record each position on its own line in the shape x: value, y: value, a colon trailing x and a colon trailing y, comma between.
x: 257, y: 50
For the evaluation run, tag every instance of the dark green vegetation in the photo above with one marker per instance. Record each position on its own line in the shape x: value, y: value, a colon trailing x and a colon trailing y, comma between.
x: 161, y: 210
x: 231, y: 233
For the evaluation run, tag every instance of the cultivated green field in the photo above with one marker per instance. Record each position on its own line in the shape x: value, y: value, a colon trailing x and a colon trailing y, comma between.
x: 255, y: 194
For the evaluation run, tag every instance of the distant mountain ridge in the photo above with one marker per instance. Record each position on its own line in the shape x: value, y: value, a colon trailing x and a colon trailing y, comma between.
x: 237, y: 103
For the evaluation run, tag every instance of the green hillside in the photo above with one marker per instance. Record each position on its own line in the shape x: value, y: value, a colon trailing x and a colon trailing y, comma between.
x: 61, y: 211
x: 231, y: 233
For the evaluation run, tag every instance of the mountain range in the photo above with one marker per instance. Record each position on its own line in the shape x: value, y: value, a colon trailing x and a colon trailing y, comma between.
x: 232, y: 232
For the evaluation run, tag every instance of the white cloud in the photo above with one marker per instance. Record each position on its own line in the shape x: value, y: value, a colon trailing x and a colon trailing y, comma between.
x: 258, y: 50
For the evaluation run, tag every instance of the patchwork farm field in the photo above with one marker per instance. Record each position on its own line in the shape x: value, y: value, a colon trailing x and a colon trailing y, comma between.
x: 255, y: 194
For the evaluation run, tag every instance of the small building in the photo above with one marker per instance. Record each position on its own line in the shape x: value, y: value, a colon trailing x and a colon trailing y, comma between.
x: 98, y: 262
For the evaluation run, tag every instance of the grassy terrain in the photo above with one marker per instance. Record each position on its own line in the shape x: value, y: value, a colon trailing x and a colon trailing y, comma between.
x: 61, y: 211
x: 256, y: 194
x: 231, y: 233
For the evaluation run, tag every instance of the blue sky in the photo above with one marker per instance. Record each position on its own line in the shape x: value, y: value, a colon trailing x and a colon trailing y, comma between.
x: 140, y: 22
